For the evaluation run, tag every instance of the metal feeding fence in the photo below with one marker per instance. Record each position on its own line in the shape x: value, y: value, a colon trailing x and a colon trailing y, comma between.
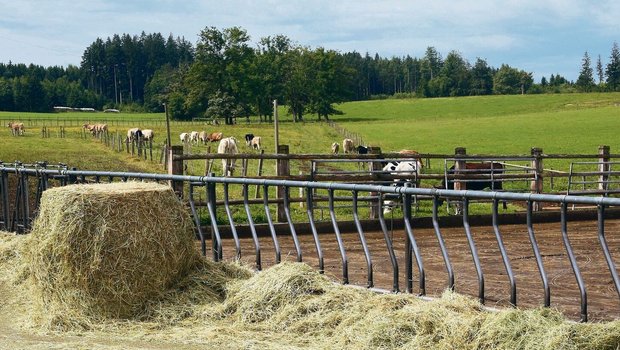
x: 19, y: 202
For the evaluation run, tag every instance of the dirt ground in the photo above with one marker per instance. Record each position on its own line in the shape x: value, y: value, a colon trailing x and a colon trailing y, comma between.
x: 602, y: 298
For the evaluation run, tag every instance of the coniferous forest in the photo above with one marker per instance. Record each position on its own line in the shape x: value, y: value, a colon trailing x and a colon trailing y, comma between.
x: 226, y: 75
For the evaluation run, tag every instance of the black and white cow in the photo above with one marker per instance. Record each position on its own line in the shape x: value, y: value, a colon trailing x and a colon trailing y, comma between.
x: 408, y: 173
x: 248, y: 139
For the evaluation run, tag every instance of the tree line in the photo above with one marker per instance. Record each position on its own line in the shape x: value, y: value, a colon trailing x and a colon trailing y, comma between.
x: 226, y: 76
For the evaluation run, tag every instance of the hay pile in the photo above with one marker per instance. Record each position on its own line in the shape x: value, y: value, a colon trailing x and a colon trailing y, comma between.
x: 89, y: 263
x: 105, y: 250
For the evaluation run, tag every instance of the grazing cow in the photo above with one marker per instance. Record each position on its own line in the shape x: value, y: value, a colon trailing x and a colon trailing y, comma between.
x: 335, y: 147
x: 148, y: 134
x: 408, y: 172
x: 202, y: 136
x: 347, y: 146
x: 193, y: 137
x: 90, y: 128
x: 256, y: 143
x: 184, y: 137
x: 100, y: 129
x: 133, y: 134
x: 228, y: 146
x: 215, y: 136
x: 248, y: 139
x: 487, y: 168
x: 17, y: 129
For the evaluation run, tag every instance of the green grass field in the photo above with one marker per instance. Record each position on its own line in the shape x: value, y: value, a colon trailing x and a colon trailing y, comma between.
x: 568, y: 123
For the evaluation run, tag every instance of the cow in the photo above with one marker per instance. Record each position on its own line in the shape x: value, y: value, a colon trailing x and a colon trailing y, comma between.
x: 215, y: 136
x: 90, y: 128
x: 228, y: 146
x: 193, y: 137
x: 347, y: 146
x: 335, y: 147
x: 248, y: 139
x: 184, y: 137
x: 148, y: 134
x: 361, y: 150
x: 256, y: 143
x: 100, y: 129
x: 202, y: 136
x: 17, y: 128
x: 133, y: 134
x: 408, y: 172
x: 486, y: 168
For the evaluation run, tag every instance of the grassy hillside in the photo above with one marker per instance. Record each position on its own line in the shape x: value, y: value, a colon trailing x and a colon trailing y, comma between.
x: 567, y: 123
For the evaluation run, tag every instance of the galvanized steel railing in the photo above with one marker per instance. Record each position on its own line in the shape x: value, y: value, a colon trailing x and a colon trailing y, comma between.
x: 17, y: 217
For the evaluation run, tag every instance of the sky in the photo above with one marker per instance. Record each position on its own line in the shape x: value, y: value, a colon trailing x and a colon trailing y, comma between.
x: 543, y: 37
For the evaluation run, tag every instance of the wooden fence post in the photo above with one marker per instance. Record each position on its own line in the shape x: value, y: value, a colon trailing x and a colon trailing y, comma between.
x: 282, y: 169
x: 375, y: 206
x: 175, y: 167
x: 459, y: 165
x: 536, y: 186
x: 603, y: 167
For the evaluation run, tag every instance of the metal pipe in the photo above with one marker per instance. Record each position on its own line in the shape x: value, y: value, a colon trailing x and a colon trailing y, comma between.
x: 252, y: 228
x: 442, y: 243
x: 414, y: 246
x: 274, y: 237
x: 315, y: 234
x: 603, y: 241
x: 539, y: 261
x: 287, y: 213
x: 216, y: 245
x: 233, y: 228
x: 390, y: 249
x: 197, y: 220
x: 573, y: 264
x: 502, y: 250
x: 474, y: 251
x: 362, y: 237
x: 343, y: 253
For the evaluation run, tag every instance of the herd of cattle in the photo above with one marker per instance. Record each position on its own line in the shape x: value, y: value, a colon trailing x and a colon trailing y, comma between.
x: 406, y: 172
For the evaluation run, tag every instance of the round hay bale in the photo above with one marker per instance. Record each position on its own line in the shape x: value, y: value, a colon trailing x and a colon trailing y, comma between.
x: 104, y: 250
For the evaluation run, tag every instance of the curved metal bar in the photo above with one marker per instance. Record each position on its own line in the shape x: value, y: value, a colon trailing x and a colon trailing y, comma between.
x: 233, y: 228
x: 287, y: 213
x: 362, y: 236
x: 414, y: 246
x: 343, y: 253
x: 472, y: 248
x: 217, y: 248
x: 539, y: 261
x: 390, y: 248
x: 603, y: 241
x: 442, y: 243
x: 272, y: 229
x: 502, y: 250
x: 246, y: 205
x: 317, y: 242
x: 574, y: 266
x: 4, y: 200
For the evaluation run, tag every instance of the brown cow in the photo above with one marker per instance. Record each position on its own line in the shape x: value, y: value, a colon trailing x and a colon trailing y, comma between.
x: 215, y: 136
x: 17, y: 128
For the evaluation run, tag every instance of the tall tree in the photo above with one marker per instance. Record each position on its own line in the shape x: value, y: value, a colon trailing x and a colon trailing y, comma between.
x: 585, y: 81
x: 481, y: 78
x: 599, y: 70
x: 613, y: 69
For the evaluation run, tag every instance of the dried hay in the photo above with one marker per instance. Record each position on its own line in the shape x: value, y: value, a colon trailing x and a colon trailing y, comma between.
x: 105, y: 250
x: 292, y: 306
